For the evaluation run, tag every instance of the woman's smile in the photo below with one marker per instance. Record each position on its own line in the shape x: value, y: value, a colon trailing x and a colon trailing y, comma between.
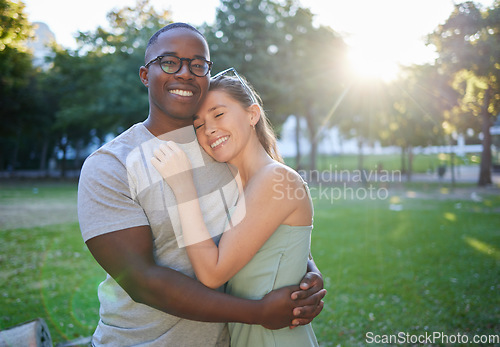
x: 219, y: 142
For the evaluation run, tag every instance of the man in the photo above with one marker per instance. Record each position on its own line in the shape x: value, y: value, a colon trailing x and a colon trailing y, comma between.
x: 150, y: 297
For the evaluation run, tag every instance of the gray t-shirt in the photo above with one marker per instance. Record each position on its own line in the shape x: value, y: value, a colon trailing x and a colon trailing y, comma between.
x: 119, y: 188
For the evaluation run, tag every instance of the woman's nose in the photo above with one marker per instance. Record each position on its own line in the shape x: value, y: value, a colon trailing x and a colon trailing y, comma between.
x: 210, y: 128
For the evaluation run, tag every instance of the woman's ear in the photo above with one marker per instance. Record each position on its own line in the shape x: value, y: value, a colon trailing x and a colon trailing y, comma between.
x: 143, y: 74
x: 254, y: 114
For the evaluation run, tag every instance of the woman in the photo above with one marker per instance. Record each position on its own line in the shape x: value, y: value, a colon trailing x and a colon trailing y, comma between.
x: 267, y: 241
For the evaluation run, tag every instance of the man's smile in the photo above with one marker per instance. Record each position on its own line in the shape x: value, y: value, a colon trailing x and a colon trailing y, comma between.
x: 181, y: 92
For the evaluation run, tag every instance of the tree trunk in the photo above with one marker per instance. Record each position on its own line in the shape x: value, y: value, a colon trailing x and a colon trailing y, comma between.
x: 298, y: 156
x: 452, y: 168
x: 314, y: 154
x: 314, y: 140
x: 64, y: 149
x: 78, y: 151
x: 43, y: 154
x: 485, y: 167
x: 360, y: 155
x: 410, y: 163
x: 15, y: 152
x: 403, y: 160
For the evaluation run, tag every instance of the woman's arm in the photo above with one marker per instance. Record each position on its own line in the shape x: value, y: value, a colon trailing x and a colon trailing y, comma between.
x: 269, y: 198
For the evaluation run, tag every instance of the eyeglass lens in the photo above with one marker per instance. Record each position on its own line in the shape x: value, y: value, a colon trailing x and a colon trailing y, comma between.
x: 172, y: 64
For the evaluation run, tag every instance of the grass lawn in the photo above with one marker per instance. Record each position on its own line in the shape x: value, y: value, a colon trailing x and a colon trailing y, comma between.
x: 413, y: 263
x: 422, y: 163
x: 46, y: 271
x: 418, y: 261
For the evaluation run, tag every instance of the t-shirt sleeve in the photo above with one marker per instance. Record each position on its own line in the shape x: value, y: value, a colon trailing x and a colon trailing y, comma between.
x: 105, y: 203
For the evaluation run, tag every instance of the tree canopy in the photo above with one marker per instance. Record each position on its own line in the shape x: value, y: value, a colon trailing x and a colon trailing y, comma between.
x: 298, y: 67
x: 468, y: 44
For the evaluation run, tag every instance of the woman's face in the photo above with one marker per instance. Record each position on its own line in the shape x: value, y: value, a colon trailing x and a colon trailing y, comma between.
x: 223, y: 126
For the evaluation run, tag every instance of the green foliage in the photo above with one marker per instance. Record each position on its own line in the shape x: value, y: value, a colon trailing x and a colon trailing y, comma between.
x: 98, y: 85
x: 14, y: 28
x: 246, y: 36
x: 15, y: 60
x: 294, y: 65
x: 421, y: 101
x: 468, y: 47
x: 299, y: 68
x: 118, y: 98
x: 86, y: 93
x: 16, y: 79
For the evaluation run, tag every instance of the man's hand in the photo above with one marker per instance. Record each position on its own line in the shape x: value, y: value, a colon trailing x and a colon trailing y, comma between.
x: 309, y: 299
x: 277, y: 308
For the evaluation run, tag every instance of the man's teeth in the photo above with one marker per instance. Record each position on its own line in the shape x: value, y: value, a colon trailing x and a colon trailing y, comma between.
x: 182, y: 92
x: 219, y: 141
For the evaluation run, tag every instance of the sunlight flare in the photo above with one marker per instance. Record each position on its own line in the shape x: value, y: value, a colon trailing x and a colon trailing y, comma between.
x: 483, y: 247
x: 370, y: 60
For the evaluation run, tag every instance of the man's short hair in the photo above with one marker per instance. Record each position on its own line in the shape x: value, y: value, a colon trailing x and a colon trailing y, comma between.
x: 171, y: 26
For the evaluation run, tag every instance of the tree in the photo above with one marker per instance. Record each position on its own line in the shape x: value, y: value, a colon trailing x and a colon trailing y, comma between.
x: 119, y: 99
x: 69, y: 88
x: 469, y: 48
x: 361, y: 115
x: 314, y: 60
x: 247, y: 36
x: 420, y: 101
x: 292, y: 63
x: 16, y: 75
x: 95, y: 89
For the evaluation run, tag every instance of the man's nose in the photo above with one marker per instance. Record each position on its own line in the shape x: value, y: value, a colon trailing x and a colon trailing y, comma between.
x: 184, y: 72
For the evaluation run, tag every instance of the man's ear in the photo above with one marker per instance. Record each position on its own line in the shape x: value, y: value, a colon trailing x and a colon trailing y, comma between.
x: 254, y: 114
x: 143, y: 74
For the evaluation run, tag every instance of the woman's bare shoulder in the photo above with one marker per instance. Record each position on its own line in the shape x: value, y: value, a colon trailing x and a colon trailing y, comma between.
x: 278, y: 176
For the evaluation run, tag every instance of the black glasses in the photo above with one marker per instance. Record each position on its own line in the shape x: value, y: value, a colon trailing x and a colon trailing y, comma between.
x: 242, y: 81
x: 172, y: 64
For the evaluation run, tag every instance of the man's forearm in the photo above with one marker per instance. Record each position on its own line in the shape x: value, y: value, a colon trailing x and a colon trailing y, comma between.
x: 177, y: 294
x: 127, y: 255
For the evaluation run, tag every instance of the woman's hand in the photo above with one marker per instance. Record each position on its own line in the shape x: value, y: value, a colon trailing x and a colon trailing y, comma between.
x: 174, y: 166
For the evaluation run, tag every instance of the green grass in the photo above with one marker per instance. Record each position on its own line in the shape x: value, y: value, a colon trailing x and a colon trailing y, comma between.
x: 432, y: 266
x: 421, y: 163
x: 46, y: 271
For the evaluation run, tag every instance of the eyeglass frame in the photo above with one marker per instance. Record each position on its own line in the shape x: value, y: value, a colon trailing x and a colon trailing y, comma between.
x: 243, y: 83
x: 189, y: 60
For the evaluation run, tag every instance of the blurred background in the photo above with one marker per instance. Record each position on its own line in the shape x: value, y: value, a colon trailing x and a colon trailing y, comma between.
x: 388, y: 108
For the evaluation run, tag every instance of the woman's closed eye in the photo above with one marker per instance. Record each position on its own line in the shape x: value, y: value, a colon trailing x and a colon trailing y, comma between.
x: 196, y: 127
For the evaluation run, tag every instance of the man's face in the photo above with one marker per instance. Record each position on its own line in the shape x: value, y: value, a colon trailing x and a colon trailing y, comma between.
x: 176, y: 95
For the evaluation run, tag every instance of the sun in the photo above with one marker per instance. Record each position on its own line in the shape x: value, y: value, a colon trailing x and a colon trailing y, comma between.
x: 370, y: 60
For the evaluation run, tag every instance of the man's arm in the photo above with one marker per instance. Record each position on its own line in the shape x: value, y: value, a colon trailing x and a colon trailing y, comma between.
x: 127, y: 255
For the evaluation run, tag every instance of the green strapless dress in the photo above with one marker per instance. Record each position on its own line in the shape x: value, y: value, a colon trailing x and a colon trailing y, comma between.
x: 281, y: 261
